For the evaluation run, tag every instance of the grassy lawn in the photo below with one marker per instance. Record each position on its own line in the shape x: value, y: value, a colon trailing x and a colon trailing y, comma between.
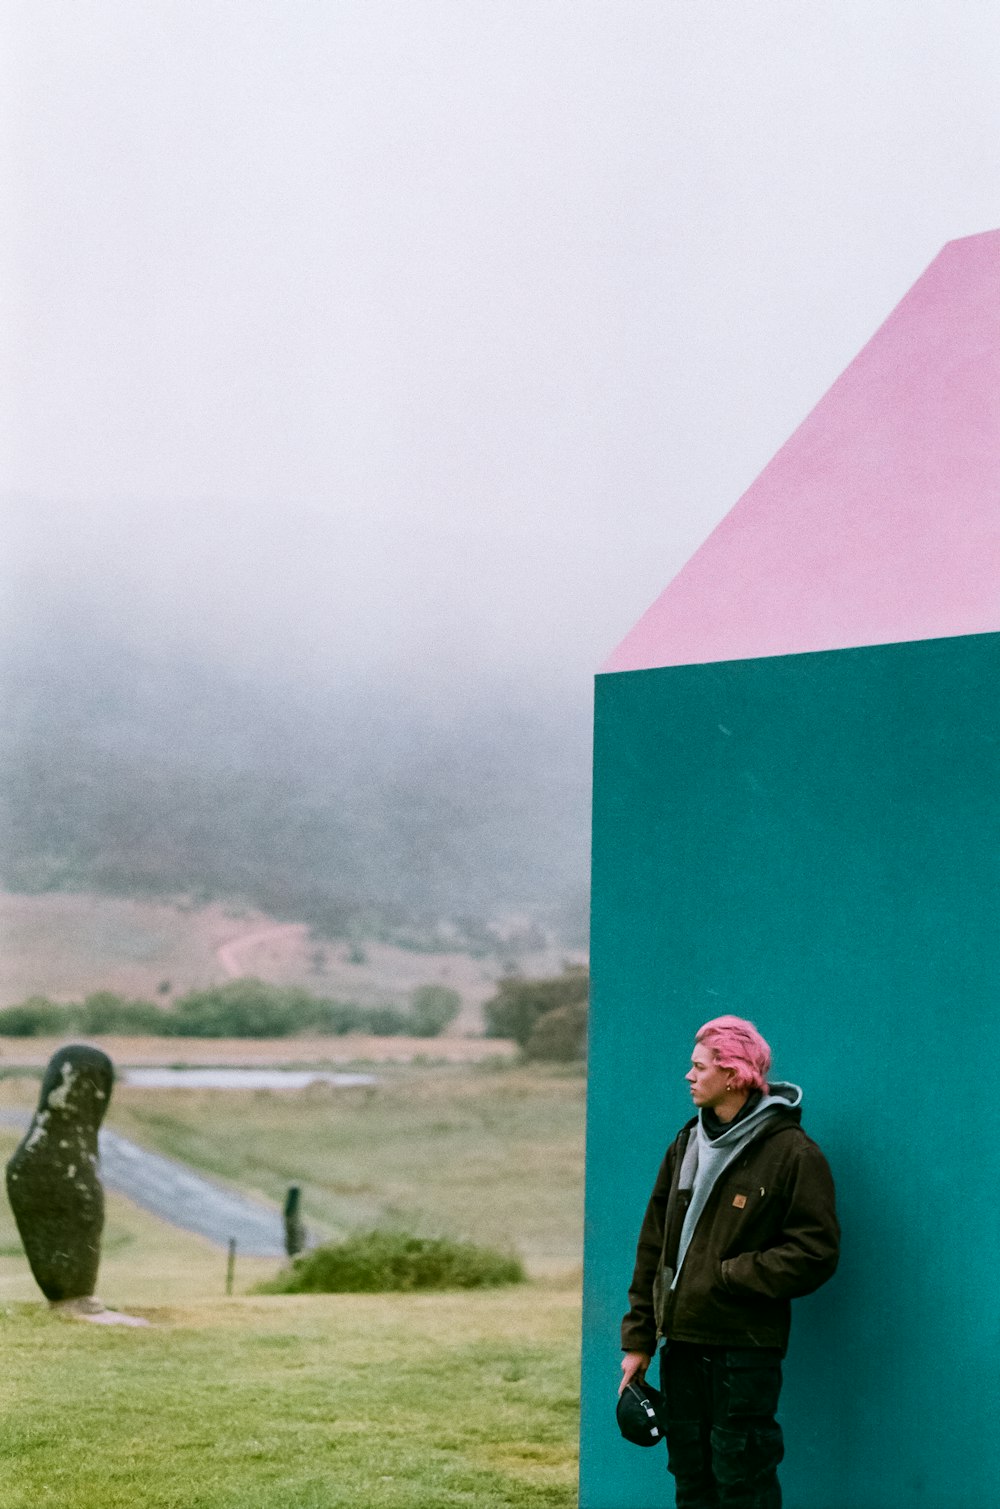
x: 313, y: 1402
x: 297, y: 1402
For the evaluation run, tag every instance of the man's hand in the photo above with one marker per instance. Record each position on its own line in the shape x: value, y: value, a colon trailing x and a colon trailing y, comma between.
x: 634, y: 1364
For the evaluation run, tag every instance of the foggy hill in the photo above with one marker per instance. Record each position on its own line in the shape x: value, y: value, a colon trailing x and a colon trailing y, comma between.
x: 352, y: 806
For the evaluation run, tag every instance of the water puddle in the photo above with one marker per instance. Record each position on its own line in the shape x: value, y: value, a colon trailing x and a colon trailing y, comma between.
x: 239, y: 1079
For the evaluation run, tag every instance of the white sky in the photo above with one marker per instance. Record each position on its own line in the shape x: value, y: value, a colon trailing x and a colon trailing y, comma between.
x: 351, y: 334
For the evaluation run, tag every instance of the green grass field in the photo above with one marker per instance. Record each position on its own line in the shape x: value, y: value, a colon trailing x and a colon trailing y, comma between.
x: 313, y: 1402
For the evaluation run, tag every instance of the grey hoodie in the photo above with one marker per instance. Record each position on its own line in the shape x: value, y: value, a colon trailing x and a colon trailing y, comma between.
x: 705, y: 1158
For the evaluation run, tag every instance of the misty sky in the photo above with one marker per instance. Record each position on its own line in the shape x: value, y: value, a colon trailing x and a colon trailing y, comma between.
x: 437, y: 334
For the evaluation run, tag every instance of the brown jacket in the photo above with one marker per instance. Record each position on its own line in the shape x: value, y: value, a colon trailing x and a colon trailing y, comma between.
x: 768, y: 1234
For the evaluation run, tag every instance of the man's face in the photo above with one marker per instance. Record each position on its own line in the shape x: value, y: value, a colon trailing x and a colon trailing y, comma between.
x: 709, y: 1084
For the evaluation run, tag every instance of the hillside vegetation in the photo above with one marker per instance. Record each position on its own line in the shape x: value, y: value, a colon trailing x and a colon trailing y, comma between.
x: 357, y: 810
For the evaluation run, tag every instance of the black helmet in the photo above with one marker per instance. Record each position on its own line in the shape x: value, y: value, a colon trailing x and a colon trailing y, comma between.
x: 640, y: 1413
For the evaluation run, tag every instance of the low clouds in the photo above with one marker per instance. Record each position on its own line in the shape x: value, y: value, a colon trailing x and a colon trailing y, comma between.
x: 432, y: 339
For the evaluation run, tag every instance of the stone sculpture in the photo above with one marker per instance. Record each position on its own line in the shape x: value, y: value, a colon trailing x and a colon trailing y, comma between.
x: 53, y: 1183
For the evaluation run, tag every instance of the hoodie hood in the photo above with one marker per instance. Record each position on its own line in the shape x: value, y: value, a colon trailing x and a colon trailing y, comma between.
x: 780, y: 1099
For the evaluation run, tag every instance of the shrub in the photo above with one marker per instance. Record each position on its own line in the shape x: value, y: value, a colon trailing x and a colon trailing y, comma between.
x: 382, y: 1261
x: 433, y: 1008
x: 251, y: 1008
x: 103, y: 1011
x: 519, y: 1003
x: 382, y: 1021
x: 559, y: 1035
x: 337, y: 1017
x: 240, y: 1008
x: 36, y: 1017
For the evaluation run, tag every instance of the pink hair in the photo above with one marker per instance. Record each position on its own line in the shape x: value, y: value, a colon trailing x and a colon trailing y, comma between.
x: 738, y: 1048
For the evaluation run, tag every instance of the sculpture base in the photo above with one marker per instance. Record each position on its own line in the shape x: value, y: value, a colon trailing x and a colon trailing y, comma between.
x: 89, y: 1307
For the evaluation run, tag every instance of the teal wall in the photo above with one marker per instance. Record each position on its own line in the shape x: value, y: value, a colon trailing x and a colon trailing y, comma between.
x: 813, y: 841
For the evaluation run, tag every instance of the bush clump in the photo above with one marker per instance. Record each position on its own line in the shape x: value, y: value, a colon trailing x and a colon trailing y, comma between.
x: 106, y: 1012
x: 560, y: 1035
x: 433, y: 1008
x: 384, y: 1261
x: 251, y: 1008
x: 240, y: 1008
x: 521, y: 1008
x: 35, y: 1017
x: 101, y: 1012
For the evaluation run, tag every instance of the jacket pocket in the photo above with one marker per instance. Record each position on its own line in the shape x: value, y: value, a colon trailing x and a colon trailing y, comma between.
x: 746, y: 1459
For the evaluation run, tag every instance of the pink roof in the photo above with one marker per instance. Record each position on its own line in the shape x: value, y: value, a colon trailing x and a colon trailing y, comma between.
x: 879, y: 520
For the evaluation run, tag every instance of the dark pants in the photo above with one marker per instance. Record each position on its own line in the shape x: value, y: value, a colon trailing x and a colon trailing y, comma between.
x: 723, y: 1442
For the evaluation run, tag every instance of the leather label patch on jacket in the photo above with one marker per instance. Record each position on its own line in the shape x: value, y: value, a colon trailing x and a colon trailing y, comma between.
x: 740, y: 1201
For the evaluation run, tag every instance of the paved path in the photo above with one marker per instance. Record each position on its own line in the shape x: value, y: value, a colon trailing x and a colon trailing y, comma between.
x: 178, y: 1194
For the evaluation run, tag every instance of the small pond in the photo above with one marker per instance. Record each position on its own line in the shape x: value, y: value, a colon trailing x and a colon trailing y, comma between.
x: 239, y: 1079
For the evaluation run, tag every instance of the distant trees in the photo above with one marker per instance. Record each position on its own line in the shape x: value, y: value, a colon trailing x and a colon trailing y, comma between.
x: 253, y: 1008
x: 101, y: 1012
x: 547, y: 1018
x: 432, y: 1009
x: 247, y: 1008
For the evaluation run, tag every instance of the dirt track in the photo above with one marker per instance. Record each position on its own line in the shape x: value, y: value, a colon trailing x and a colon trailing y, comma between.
x: 230, y: 955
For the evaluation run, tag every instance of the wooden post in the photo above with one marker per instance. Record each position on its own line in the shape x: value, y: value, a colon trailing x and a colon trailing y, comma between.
x: 295, y: 1232
x: 231, y: 1265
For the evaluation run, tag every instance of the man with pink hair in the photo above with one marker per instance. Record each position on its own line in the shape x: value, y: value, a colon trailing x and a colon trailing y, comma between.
x: 741, y: 1221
